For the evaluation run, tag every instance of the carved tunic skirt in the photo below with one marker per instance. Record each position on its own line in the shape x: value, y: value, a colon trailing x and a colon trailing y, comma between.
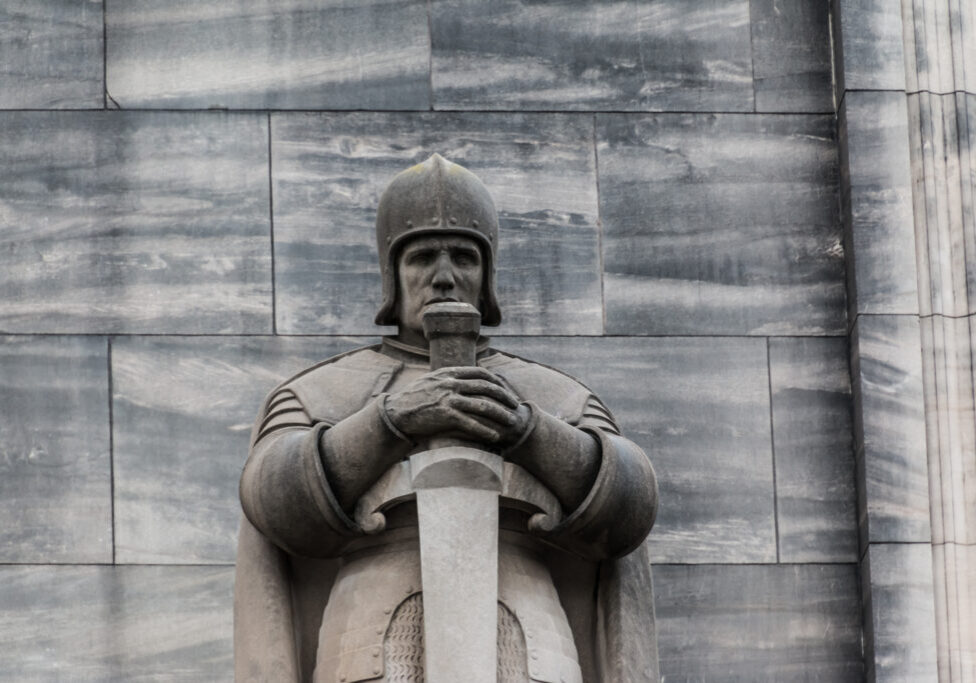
x: 372, y: 629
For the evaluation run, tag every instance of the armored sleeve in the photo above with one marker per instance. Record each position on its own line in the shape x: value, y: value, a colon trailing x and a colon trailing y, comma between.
x: 619, y: 510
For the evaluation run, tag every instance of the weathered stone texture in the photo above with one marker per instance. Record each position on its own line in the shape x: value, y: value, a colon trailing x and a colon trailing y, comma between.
x: 700, y: 238
x: 265, y: 54
x: 55, y: 474
x: 51, y: 54
x: 134, y: 222
x: 328, y: 173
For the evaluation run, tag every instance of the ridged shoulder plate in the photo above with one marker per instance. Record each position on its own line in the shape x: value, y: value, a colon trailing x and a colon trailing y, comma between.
x: 336, y: 388
x: 552, y: 390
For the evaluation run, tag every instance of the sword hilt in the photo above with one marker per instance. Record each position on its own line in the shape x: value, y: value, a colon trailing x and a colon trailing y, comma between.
x: 452, y: 330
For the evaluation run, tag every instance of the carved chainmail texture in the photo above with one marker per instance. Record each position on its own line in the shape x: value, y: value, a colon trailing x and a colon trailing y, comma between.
x: 404, y: 645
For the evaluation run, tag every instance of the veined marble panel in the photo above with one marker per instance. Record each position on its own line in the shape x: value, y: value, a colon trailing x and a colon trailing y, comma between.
x: 940, y: 45
x: 779, y: 623
x: 668, y: 55
x: 791, y: 56
x: 85, y: 623
x: 876, y: 199
x: 889, y: 430
x: 51, y: 54
x: 954, y: 575
x: 183, y: 409
x: 720, y: 224
x: 134, y: 222
x: 55, y: 472
x: 699, y: 407
x: 899, y: 618
x: 329, y: 172
x: 268, y: 54
x: 812, y: 444
x: 868, y: 47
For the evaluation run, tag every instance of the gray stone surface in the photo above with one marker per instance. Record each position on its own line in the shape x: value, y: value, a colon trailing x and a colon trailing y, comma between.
x: 51, y: 54
x: 812, y: 445
x: 134, y: 222
x: 573, y: 54
x: 758, y: 623
x: 700, y: 409
x: 720, y: 224
x: 791, y: 56
x: 116, y: 623
x: 940, y: 46
x: 183, y: 409
x: 868, y: 48
x: 899, y: 618
x: 264, y: 54
x: 889, y: 430
x: 876, y: 201
x: 55, y: 474
x: 954, y: 579
x: 329, y: 171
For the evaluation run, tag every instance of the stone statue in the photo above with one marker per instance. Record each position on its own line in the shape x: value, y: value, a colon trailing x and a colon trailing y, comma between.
x: 431, y: 509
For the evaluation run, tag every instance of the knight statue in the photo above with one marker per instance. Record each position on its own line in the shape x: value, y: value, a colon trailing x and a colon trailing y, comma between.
x: 432, y: 509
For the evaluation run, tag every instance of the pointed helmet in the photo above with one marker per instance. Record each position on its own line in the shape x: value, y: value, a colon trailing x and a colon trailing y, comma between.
x: 434, y: 198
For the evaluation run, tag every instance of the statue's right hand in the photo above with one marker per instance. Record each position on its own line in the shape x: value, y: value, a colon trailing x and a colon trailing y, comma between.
x: 466, y: 401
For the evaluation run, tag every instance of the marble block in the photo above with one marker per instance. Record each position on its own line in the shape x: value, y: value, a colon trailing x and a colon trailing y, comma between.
x: 183, y: 411
x: 128, y: 222
x: 329, y: 171
x: 813, y: 449
x: 55, y: 469
x: 954, y: 574
x: 51, y: 54
x: 699, y: 407
x: 868, y: 46
x: 889, y: 430
x: 268, y: 54
x: 876, y: 200
x: 791, y: 64
x: 720, y: 224
x: 899, y: 619
x: 115, y: 623
x: 573, y: 54
x: 940, y: 46
x: 774, y: 623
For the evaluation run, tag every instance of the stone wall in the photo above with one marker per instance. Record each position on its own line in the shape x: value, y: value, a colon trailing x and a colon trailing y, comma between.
x: 186, y: 213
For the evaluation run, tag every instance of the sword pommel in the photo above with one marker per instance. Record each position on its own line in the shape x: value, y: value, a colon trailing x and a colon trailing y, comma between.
x: 452, y: 330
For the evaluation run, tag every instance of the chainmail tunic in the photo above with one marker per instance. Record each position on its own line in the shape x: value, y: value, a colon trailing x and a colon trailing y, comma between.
x: 404, y: 645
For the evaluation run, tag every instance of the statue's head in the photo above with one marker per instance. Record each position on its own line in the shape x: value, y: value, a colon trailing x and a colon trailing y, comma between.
x: 441, y: 204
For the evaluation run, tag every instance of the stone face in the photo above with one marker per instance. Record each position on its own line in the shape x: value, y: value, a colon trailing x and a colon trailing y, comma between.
x: 700, y: 410
x: 758, y: 623
x: 329, y: 171
x: 134, y: 222
x: 889, y: 430
x: 55, y: 476
x: 869, y: 53
x: 51, y: 54
x: 114, y: 623
x: 183, y: 409
x: 264, y: 54
x: 791, y: 56
x: 815, y: 495
x: 898, y: 613
x: 702, y: 238
x: 876, y: 199
x: 573, y: 54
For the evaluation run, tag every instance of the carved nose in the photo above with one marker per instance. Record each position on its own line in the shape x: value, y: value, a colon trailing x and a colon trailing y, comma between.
x: 444, y: 275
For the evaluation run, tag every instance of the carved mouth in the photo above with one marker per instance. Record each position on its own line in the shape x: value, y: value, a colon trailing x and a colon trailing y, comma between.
x: 441, y: 300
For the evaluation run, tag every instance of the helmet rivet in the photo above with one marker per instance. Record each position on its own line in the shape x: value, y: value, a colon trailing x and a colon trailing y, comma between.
x: 435, y: 220
x: 474, y: 224
x: 388, y: 239
x: 452, y: 220
x: 409, y: 224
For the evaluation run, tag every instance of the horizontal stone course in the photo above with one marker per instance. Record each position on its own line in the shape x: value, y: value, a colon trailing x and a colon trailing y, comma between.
x: 134, y: 222
x: 90, y: 623
x: 720, y: 224
x: 51, y: 54
x: 758, y: 623
x: 268, y: 54
x: 55, y: 469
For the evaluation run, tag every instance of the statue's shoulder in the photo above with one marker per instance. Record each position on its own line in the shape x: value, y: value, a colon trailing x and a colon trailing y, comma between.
x: 339, y: 386
x: 552, y: 389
